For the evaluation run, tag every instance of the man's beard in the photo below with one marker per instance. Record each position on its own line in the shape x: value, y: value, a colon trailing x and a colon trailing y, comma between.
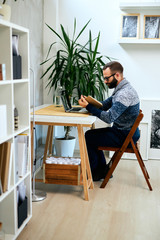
x: 112, y: 84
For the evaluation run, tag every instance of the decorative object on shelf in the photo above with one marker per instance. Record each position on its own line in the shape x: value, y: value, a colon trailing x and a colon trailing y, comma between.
x: 16, y: 119
x: 5, y: 10
x: 130, y: 26
x: 17, y: 60
x: 21, y: 203
x: 151, y: 26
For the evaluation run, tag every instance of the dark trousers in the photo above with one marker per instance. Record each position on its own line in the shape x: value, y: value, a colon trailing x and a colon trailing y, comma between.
x: 111, y: 137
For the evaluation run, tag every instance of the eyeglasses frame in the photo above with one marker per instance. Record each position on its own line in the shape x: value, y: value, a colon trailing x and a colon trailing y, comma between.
x: 107, y: 78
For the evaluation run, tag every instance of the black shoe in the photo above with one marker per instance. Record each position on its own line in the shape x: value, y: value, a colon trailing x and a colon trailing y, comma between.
x: 97, y: 176
x: 105, y: 171
x: 100, y: 174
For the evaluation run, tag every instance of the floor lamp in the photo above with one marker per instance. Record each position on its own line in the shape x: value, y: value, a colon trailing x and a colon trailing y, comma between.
x: 37, y: 195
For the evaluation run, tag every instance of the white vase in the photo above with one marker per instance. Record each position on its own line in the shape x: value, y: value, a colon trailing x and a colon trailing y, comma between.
x: 65, y: 147
x: 5, y: 11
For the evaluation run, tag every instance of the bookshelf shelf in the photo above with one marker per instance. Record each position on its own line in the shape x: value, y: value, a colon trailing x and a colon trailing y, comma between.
x: 15, y: 92
x: 139, y: 5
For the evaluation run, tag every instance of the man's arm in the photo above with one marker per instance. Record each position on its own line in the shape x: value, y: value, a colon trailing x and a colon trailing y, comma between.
x: 107, y: 116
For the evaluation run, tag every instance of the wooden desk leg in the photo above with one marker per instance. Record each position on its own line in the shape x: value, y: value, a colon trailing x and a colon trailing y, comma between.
x: 84, y: 163
x: 91, y: 185
x: 93, y: 126
x: 50, y: 141
x: 47, y: 143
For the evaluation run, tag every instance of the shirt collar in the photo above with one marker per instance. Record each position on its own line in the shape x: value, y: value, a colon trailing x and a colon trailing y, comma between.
x: 120, y: 85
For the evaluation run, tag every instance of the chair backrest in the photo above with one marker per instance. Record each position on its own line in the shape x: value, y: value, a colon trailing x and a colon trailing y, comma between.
x: 132, y: 131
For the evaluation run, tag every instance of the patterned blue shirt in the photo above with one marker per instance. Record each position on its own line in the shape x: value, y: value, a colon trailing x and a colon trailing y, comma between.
x: 121, y: 109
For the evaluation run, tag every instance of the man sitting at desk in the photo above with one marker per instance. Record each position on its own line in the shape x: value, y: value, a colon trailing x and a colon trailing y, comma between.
x: 121, y: 109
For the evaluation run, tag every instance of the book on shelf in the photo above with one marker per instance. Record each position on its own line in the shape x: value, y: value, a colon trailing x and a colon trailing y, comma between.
x: 1, y: 158
x: 2, y: 71
x: 5, y: 164
x: 21, y: 154
x: 17, y: 60
x: 10, y: 166
x: 1, y: 191
x: 16, y: 157
x: 15, y: 39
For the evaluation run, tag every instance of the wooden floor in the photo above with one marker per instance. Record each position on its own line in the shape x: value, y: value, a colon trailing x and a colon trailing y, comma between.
x: 124, y: 210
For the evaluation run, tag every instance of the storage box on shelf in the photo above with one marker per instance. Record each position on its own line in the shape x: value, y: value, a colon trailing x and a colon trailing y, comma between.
x: 15, y: 92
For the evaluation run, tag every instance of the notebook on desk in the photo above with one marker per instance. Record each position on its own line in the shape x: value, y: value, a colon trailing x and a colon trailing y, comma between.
x: 67, y: 104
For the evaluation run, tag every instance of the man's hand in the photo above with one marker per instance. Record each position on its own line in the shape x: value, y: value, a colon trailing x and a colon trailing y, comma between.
x: 82, y: 101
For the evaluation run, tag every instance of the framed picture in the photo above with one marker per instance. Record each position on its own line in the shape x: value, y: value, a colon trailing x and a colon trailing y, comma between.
x: 151, y: 111
x: 130, y: 26
x: 151, y: 27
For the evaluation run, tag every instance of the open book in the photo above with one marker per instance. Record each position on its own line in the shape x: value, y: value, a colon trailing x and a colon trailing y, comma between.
x: 94, y: 102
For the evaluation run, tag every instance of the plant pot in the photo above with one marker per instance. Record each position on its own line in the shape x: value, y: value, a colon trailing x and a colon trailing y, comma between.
x: 65, y: 147
x: 5, y: 11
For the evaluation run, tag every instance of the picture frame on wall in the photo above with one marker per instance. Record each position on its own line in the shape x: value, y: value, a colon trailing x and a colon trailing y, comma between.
x: 151, y: 27
x: 151, y: 111
x: 130, y: 26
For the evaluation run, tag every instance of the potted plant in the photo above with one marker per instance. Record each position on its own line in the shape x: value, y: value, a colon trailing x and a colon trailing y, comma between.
x: 69, y: 67
x: 75, y: 67
x: 65, y: 145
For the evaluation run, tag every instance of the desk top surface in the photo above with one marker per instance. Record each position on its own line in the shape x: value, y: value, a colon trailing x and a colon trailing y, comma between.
x: 49, y: 113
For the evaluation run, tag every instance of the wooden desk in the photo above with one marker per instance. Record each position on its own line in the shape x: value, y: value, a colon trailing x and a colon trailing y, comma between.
x: 57, y: 117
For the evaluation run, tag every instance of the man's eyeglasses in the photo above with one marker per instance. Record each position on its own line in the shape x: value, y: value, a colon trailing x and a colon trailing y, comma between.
x: 107, y: 78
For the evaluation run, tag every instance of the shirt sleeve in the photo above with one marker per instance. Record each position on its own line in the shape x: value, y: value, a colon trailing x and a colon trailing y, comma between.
x: 107, y: 116
x: 107, y: 103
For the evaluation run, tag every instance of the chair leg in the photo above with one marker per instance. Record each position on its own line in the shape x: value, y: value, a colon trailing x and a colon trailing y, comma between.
x: 141, y: 163
x: 113, y: 162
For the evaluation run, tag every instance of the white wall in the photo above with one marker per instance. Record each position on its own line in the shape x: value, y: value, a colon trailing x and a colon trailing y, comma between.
x: 141, y: 62
x: 29, y: 14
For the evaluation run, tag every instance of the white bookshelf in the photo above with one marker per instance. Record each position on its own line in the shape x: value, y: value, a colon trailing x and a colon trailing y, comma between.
x: 15, y: 91
x: 143, y: 8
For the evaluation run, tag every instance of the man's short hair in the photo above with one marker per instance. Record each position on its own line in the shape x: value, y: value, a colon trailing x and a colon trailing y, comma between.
x: 114, y: 67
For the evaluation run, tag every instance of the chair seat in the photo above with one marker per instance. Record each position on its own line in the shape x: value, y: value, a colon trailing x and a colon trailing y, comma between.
x: 128, y: 150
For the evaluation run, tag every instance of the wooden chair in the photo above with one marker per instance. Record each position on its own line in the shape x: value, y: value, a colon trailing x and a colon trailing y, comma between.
x: 119, y: 152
